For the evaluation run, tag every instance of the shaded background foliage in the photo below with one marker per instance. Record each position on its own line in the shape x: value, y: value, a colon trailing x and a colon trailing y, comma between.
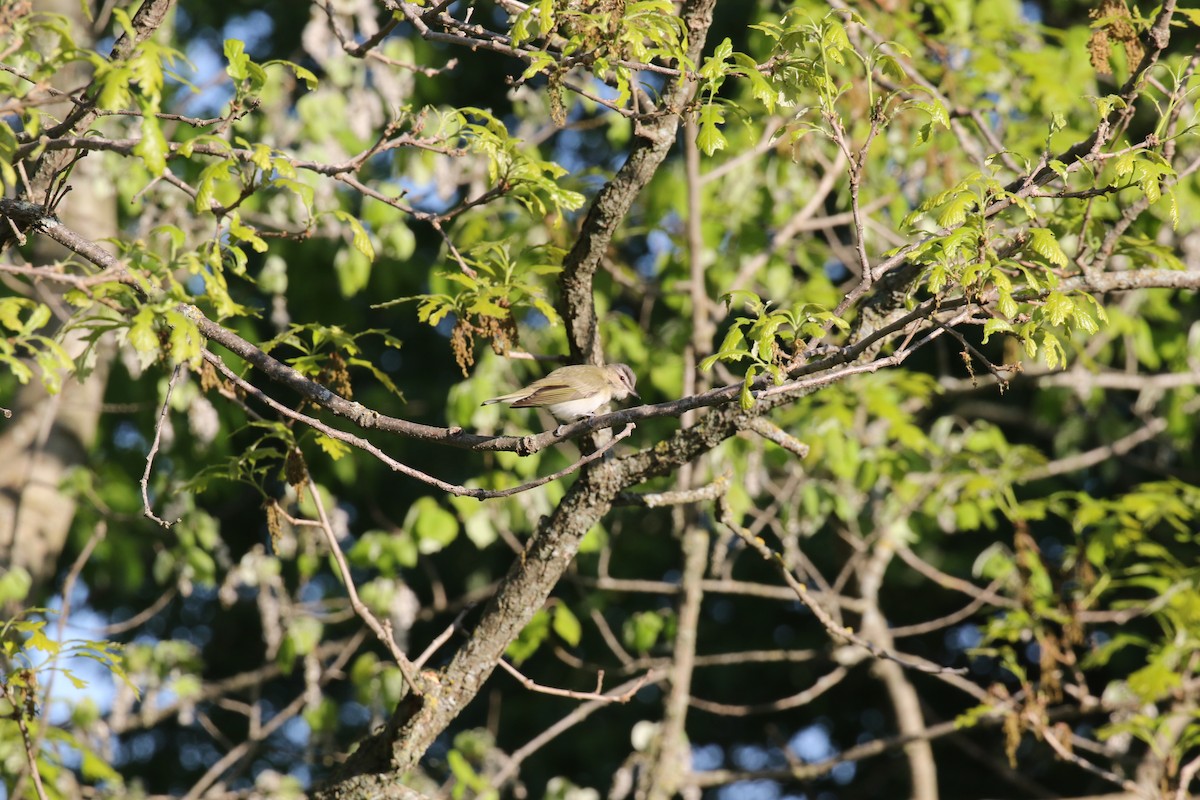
x: 952, y: 461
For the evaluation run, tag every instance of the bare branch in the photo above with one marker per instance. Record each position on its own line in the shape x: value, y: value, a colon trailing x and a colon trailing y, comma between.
x: 819, y: 687
x: 679, y: 497
x: 773, y: 433
x: 147, y: 507
x: 609, y: 697
x: 383, y: 630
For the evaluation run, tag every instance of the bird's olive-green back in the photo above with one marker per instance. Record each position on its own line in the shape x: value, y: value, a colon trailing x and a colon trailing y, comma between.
x: 564, y: 384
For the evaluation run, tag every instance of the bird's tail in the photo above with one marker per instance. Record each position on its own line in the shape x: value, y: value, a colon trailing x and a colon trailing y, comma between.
x: 504, y: 398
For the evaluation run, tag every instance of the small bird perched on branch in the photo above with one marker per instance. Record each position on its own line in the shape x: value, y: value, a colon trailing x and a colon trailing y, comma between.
x: 574, y: 392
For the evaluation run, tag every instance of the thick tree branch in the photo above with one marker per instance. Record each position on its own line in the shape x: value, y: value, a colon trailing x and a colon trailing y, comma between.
x: 653, y: 138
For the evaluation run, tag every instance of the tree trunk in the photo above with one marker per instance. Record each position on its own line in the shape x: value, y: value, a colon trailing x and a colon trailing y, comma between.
x: 50, y: 434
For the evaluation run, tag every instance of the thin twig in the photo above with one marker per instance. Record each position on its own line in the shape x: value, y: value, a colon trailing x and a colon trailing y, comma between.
x: 822, y: 685
x: 919, y: 628
x: 147, y: 509
x: 137, y: 619
x: 19, y: 709
x: 623, y: 697
x: 1104, y: 453
x: 948, y: 581
x: 382, y: 631
x: 440, y: 639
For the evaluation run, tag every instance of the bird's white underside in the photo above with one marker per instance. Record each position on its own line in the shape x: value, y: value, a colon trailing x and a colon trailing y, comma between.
x: 571, y: 410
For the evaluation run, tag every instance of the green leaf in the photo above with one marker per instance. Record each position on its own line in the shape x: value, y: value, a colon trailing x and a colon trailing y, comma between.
x: 995, y: 326
x: 760, y: 88
x: 306, y: 75
x: 143, y: 337
x: 1043, y: 242
x: 433, y: 526
x: 114, y: 87
x: 461, y: 768
x: 38, y: 316
x: 1005, y: 303
x: 10, y: 312
x: 360, y: 239
x: 530, y: 638
x: 334, y: 448
x: 642, y: 630
x: 714, y: 68
x: 187, y: 344
x: 566, y: 625
x: 39, y: 641
x: 709, y: 137
x: 239, y: 62
x: 152, y: 147
x: 246, y: 233
x: 18, y: 368
x: 1155, y: 680
x: 1058, y: 308
x: 15, y: 583
x: 890, y: 65
x: 955, y: 212
x: 353, y: 271
x: 125, y: 21
x: 1052, y: 350
x: 76, y: 681
x: 54, y: 362
x: 303, y: 635
x: 96, y: 769
x: 735, y: 341
x: 1101, y: 655
x: 938, y: 117
x: 302, y: 190
x: 214, y: 177
x: 379, y: 374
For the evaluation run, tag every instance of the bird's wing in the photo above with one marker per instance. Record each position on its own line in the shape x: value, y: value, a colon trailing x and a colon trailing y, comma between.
x: 548, y: 394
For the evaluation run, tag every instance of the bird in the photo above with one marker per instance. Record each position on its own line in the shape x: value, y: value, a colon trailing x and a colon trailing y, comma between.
x: 574, y: 392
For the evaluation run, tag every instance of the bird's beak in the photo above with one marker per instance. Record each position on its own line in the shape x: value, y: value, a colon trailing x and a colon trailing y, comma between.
x: 635, y: 394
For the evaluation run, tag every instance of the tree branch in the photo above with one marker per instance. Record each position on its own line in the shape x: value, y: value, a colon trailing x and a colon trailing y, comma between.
x: 653, y: 138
